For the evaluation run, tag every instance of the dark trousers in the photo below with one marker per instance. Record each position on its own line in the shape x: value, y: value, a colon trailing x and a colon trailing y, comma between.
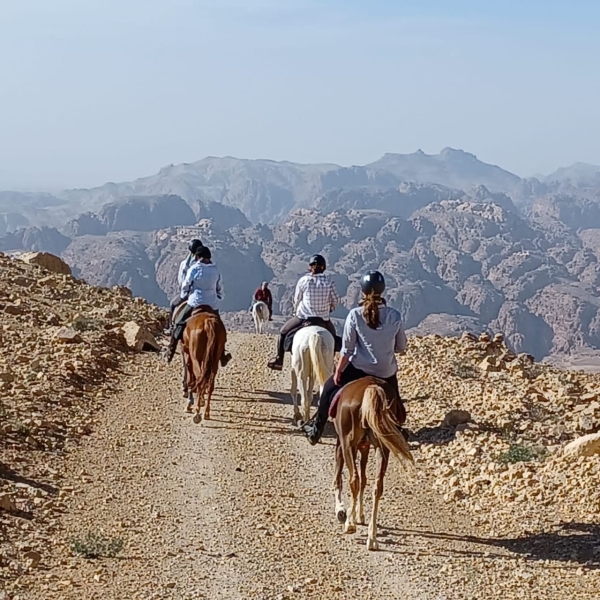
x: 295, y: 323
x: 330, y: 389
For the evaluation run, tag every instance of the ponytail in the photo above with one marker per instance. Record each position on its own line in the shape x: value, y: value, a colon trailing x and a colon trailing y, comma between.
x: 370, y: 304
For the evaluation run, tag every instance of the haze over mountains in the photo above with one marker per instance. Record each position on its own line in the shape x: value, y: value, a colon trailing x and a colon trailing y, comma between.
x: 463, y: 244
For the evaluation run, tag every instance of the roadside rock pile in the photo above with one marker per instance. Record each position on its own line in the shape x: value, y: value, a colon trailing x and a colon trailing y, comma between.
x: 517, y: 445
x: 61, y: 344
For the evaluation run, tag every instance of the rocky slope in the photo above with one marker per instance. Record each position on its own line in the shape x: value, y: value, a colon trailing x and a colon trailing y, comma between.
x: 503, y: 500
x: 472, y: 259
x: 62, y: 343
x: 523, y: 262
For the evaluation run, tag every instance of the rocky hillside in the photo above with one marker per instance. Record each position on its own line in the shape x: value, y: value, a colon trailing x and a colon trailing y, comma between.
x: 515, y: 445
x: 62, y: 343
x: 469, y: 263
x: 519, y: 256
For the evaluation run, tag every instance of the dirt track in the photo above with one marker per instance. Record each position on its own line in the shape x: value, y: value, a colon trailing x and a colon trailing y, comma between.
x: 242, y: 507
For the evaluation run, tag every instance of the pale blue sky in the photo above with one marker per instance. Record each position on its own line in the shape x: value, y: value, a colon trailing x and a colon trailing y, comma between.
x: 99, y: 90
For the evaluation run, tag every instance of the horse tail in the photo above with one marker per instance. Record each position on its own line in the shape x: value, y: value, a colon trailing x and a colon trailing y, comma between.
x: 379, y: 419
x: 321, y: 365
x: 207, y: 363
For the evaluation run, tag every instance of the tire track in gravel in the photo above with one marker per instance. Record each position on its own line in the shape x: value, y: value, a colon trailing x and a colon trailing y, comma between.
x: 241, y: 507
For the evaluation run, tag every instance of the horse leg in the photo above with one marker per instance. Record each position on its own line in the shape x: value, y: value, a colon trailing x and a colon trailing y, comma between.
x: 349, y: 455
x: 340, y: 511
x: 188, y: 381
x: 294, y: 394
x: 308, y: 395
x: 211, y: 387
x: 383, y: 455
x: 184, y: 380
x: 364, y: 459
x: 199, y: 405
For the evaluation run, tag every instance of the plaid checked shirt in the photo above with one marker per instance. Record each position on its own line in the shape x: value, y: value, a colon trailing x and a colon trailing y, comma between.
x: 315, y: 296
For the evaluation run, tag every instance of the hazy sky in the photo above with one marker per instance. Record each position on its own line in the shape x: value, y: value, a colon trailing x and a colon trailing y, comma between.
x: 107, y: 90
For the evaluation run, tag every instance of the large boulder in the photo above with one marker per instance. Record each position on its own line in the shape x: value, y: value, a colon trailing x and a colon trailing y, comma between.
x: 47, y: 261
x: 138, y: 338
x: 588, y: 445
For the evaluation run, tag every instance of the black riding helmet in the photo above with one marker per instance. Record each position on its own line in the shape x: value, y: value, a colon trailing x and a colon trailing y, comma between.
x: 318, y: 261
x: 194, y: 246
x: 372, y: 283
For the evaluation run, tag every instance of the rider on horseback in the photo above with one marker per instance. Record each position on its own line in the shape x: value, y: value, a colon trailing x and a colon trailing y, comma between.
x: 184, y: 267
x: 373, y: 332
x: 315, y: 296
x: 201, y: 287
x: 263, y: 294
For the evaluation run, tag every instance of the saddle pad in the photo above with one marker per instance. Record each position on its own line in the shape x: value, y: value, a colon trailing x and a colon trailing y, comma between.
x: 333, y: 405
x: 203, y: 308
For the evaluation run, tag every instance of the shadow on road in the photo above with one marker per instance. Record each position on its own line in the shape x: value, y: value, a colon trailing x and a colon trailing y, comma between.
x: 571, y: 542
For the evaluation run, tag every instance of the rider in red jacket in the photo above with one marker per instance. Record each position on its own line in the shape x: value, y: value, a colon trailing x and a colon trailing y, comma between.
x: 263, y: 294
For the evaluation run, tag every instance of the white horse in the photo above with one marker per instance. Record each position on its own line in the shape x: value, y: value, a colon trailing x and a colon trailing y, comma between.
x: 312, y: 360
x: 260, y: 314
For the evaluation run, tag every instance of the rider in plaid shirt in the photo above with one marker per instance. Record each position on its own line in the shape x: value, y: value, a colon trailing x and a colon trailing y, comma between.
x: 315, y: 296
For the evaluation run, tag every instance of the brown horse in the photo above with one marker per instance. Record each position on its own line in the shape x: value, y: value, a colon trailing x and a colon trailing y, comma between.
x: 204, y: 340
x: 364, y: 413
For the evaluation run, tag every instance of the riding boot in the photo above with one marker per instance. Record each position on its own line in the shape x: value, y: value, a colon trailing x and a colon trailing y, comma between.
x: 170, y: 353
x: 314, y: 428
x: 277, y: 364
x: 225, y: 358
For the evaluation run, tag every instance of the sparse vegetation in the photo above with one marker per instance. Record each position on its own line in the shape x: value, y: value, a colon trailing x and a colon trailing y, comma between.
x: 22, y: 429
x: 465, y: 370
x: 520, y: 453
x: 87, y: 324
x: 96, y: 545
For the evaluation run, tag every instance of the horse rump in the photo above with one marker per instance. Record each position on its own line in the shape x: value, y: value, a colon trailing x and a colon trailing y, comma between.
x: 204, y: 339
x: 377, y: 417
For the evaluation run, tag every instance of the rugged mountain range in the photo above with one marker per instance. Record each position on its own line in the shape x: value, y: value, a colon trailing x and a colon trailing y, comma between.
x: 266, y: 191
x: 519, y: 256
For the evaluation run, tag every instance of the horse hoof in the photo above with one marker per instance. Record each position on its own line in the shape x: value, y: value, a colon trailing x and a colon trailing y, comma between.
x: 197, y: 418
x: 341, y: 515
x: 207, y: 416
x: 350, y: 528
x: 189, y: 408
x: 372, y: 544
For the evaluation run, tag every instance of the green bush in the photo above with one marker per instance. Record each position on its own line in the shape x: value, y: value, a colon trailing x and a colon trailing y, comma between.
x: 519, y: 453
x: 96, y: 545
x: 465, y: 370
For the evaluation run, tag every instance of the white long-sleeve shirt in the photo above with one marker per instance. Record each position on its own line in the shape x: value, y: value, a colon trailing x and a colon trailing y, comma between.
x: 184, y: 267
x: 203, y: 285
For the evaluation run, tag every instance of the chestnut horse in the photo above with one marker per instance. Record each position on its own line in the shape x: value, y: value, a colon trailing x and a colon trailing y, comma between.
x: 364, y: 413
x: 204, y: 340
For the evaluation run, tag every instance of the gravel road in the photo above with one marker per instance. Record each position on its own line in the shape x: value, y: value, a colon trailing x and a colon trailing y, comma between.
x: 241, y: 507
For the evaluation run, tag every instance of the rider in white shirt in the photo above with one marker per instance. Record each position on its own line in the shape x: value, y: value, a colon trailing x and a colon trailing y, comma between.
x: 184, y: 267
x: 315, y: 296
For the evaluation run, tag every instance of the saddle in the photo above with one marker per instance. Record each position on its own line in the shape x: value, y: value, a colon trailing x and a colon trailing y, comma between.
x: 180, y: 323
x: 310, y: 322
x: 401, y: 412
